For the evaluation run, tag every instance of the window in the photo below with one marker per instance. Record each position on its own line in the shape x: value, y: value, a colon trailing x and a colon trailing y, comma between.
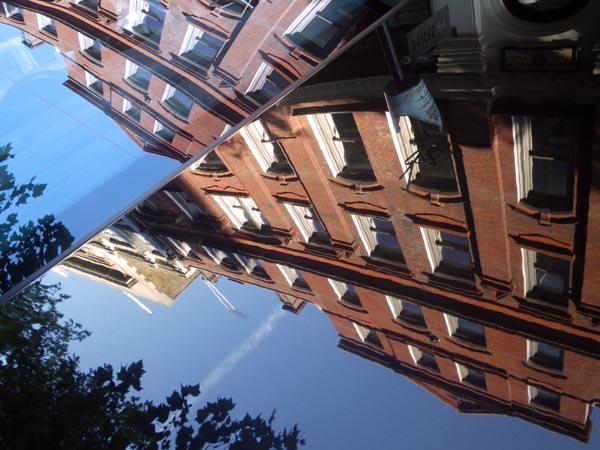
x: 200, y: 48
x: 221, y: 258
x: 13, y: 12
x: 470, y: 375
x: 546, y: 279
x: 164, y: 132
x: 423, y: 358
x: 251, y: 266
x: 308, y: 224
x: 91, y: 47
x: 210, y: 163
x: 406, y: 311
x: 346, y: 293
x: 294, y: 278
x: 544, y: 149
x: 342, y: 146
x: 93, y: 83
x: 177, y: 102
x: 47, y: 25
x: 145, y: 20
x: 426, y: 164
x: 235, y: 7
x: 448, y: 253
x: 242, y: 212
x: 187, y: 206
x: 90, y: 5
x: 367, y: 335
x: 323, y: 23
x: 465, y: 330
x: 137, y: 75
x: 266, y: 84
x: 539, y: 396
x: 542, y: 354
x: 268, y: 152
x: 132, y: 111
x: 379, y: 238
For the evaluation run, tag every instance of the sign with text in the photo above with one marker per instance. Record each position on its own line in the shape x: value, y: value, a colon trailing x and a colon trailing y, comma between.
x: 558, y: 59
x: 430, y: 33
x: 415, y: 101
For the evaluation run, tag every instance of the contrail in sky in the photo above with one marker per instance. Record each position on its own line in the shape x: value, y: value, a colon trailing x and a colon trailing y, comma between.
x: 247, y: 346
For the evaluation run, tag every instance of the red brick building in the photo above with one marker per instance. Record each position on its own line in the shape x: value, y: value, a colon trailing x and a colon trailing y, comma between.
x: 176, y: 75
x: 471, y: 271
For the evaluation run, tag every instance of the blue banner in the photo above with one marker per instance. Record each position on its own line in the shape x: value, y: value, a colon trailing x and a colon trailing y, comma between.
x: 415, y: 102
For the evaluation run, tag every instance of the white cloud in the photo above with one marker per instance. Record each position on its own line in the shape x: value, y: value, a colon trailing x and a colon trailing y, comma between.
x: 246, y: 347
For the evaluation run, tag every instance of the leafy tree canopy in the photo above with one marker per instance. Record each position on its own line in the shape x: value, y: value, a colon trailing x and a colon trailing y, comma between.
x: 24, y: 248
x: 48, y: 402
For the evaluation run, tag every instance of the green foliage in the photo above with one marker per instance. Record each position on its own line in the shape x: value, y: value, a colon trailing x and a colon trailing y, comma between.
x: 25, y: 248
x: 48, y: 402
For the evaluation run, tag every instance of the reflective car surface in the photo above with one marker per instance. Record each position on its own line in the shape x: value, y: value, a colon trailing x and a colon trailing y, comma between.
x: 399, y: 250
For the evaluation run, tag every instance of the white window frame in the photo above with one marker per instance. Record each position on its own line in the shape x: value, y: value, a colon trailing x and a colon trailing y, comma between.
x: 339, y: 287
x: 131, y: 68
x: 215, y: 254
x: 192, y: 35
x: 44, y: 21
x: 91, y: 79
x: 453, y: 326
x: 290, y: 274
x: 298, y: 214
x: 363, y: 332
x: 260, y: 78
x: 247, y: 263
x: 464, y: 372
x: 135, y: 15
x: 306, y: 16
x: 533, y: 391
x: 170, y: 92
x: 434, y: 253
x: 255, y: 136
x: 189, y: 208
x: 417, y: 356
x: 396, y: 306
x: 127, y: 105
x: 367, y: 235
x: 85, y: 42
x: 182, y: 247
x: 158, y: 126
x: 324, y: 130
x: 533, y: 350
x: 404, y: 145
x: 523, y: 143
x: 528, y: 258
x: 240, y: 210
x: 11, y: 10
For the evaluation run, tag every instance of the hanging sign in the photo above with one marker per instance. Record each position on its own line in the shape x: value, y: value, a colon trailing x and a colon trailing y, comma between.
x: 415, y: 101
x: 430, y: 33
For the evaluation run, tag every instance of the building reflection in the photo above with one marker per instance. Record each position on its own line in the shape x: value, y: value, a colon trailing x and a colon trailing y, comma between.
x: 471, y: 270
x: 176, y: 75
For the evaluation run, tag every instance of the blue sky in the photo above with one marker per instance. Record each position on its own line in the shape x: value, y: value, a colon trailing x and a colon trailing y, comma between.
x: 278, y: 360
x: 62, y: 140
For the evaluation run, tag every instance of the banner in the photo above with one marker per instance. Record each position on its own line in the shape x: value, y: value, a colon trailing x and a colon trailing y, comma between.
x: 415, y: 101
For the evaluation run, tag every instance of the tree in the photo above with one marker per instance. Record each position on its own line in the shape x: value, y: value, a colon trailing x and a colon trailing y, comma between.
x: 25, y: 248
x: 47, y: 401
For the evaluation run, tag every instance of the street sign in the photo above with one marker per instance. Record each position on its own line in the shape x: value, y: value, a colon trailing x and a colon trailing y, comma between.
x: 430, y: 33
